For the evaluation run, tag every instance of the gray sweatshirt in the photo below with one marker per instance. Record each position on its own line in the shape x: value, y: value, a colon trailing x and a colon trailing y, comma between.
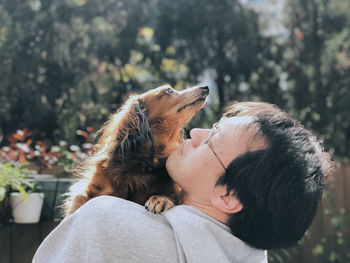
x: 109, y: 229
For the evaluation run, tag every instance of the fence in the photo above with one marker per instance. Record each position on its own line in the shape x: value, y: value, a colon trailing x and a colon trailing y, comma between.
x: 328, y: 238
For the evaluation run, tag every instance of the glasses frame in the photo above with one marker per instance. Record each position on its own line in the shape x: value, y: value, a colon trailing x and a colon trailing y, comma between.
x: 210, y: 145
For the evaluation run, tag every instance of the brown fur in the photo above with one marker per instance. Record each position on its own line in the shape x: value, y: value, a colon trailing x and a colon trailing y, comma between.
x: 129, y: 156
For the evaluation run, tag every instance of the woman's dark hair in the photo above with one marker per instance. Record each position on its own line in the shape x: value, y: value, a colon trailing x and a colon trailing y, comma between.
x: 279, y: 186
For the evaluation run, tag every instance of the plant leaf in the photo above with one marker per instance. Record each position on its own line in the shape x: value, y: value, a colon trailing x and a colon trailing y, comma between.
x: 2, y: 193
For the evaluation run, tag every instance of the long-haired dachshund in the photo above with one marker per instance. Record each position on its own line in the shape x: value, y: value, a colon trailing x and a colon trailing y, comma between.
x: 132, y: 147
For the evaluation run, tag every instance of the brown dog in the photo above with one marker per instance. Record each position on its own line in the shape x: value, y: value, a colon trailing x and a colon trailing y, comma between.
x: 132, y: 147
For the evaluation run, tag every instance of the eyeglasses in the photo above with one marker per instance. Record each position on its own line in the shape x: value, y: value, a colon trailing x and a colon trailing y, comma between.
x: 210, y: 145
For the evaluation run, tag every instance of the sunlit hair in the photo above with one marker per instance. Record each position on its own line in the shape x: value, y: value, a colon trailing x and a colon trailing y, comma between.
x: 279, y: 186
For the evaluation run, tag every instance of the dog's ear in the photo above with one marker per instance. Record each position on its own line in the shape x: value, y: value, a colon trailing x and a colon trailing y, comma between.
x: 139, y: 140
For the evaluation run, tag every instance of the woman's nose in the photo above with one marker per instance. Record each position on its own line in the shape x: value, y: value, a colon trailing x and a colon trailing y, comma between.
x: 198, y: 136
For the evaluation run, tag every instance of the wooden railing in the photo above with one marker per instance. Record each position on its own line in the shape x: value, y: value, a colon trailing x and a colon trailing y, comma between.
x: 328, y: 238
x: 18, y: 242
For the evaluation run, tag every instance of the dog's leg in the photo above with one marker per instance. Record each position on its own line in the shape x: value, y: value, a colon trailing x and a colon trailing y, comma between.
x: 171, y: 195
x: 159, y: 203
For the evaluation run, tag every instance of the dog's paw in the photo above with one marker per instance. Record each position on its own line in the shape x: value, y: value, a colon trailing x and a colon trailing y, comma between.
x: 159, y: 203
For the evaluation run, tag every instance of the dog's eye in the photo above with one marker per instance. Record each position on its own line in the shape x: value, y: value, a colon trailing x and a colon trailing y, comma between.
x: 169, y: 91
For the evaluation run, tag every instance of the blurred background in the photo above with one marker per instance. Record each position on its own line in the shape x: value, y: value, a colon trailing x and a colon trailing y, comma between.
x: 66, y: 65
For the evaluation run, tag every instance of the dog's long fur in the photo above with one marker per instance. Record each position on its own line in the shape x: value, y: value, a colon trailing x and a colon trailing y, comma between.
x: 132, y: 146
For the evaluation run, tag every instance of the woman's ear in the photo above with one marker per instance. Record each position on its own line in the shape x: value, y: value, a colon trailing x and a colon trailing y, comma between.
x: 226, y: 202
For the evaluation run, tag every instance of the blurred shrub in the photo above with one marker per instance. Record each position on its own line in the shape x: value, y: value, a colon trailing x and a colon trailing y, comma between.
x: 43, y: 157
x: 66, y: 65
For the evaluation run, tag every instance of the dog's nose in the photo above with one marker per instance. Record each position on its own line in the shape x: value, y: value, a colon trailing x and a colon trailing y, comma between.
x: 204, y: 90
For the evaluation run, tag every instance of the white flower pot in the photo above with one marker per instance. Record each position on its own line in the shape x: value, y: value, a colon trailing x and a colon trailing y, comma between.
x: 26, y: 212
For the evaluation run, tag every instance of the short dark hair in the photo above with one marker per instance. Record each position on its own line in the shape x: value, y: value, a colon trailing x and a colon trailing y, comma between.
x: 279, y: 186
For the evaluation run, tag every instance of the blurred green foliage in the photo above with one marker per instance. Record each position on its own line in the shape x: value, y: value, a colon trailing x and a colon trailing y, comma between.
x: 66, y: 65
x: 317, y: 59
x: 15, y: 178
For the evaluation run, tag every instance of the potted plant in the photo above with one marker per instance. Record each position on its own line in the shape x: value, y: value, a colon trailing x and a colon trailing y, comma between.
x: 9, y: 179
x: 25, y: 203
